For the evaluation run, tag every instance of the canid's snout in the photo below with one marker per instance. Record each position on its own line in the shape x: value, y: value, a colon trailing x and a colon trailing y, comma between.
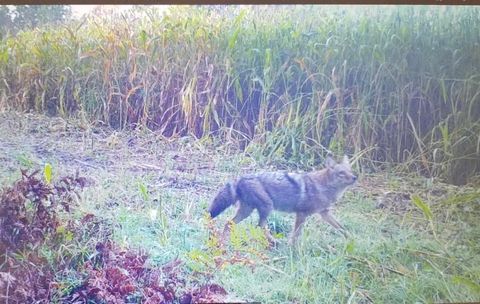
x: 353, y: 179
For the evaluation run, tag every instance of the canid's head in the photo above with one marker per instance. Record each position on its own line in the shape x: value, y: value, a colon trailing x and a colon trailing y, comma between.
x: 341, y: 174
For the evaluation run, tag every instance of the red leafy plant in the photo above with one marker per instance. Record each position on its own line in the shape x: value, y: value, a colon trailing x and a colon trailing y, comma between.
x: 28, y: 221
x: 31, y: 224
x: 29, y: 210
x: 123, y: 276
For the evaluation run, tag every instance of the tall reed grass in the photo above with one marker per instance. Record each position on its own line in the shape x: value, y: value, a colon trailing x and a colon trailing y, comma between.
x: 392, y: 85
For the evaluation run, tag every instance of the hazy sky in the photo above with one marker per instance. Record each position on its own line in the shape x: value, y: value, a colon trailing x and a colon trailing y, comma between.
x: 79, y: 10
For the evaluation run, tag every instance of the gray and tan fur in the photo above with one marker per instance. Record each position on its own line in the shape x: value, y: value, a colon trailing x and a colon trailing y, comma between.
x: 301, y: 193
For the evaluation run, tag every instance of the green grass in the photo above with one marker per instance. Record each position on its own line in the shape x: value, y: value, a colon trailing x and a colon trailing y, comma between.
x: 391, y: 257
x: 402, y: 265
x: 390, y: 84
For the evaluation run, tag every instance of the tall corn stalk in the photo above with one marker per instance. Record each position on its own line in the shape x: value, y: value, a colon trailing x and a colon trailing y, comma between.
x: 394, y: 85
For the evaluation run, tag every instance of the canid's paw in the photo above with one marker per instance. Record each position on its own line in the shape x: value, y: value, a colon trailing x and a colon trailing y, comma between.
x: 272, y: 244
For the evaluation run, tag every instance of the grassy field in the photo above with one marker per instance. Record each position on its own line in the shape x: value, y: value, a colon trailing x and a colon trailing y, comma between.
x: 150, y: 113
x: 414, y: 240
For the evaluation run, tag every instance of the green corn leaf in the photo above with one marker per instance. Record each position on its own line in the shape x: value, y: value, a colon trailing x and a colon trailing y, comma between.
x: 422, y: 205
x: 233, y: 39
x: 143, y: 191
x: 350, y: 246
x: 4, y: 56
x: 143, y: 37
x: 475, y: 287
x: 47, y: 172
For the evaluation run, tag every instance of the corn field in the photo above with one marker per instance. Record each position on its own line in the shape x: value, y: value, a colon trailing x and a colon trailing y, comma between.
x: 394, y: 86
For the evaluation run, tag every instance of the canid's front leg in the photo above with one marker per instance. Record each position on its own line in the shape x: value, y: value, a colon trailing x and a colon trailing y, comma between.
x: 299, y: 221
x: 243, y: 212
x: 327, y: 217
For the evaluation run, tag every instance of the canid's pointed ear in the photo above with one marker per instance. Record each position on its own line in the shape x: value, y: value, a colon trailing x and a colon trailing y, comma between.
x: 346, y: 161
x: 330, y: 162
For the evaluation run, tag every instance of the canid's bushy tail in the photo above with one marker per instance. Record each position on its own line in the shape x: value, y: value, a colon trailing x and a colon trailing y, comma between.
x: 226, y: 197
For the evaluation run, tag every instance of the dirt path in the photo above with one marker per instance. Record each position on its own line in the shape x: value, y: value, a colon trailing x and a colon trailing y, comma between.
x: 30, y: 141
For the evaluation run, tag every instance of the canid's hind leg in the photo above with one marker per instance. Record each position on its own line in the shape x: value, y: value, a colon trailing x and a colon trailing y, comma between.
x: 253, y: 191
x: 262, y: 223
x: 299, y: 220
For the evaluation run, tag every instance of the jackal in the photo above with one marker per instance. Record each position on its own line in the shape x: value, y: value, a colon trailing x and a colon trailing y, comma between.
x: 301, y: 193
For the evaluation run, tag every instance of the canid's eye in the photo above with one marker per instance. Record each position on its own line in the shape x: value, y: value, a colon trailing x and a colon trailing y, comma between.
x: 342, y: 174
